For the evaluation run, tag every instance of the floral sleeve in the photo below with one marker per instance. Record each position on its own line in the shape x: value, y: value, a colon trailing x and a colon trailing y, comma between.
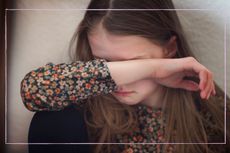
x: 54, y: 87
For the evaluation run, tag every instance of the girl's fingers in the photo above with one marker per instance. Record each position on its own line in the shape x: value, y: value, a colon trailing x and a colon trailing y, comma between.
x: 209, y: 85
x: 206, y: 78
x: 203, y: 81
x: 214, y: 90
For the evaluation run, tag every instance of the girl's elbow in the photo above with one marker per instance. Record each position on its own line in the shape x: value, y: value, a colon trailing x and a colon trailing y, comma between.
x: 33, y: 105
x: 27, y: 94
x: 30, y: 107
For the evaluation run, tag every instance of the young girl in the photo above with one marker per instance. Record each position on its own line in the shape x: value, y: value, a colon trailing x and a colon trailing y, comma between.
x: 133, y: 79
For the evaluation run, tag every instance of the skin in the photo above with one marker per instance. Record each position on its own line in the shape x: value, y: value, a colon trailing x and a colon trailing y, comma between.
x: 122, y: 48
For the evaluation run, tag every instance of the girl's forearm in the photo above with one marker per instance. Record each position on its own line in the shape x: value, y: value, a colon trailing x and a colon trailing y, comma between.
x: 124, y: 72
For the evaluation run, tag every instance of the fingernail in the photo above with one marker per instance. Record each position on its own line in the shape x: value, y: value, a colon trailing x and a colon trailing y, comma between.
x: 214, y: 93
x: 204, y: 96
x: 208, y: 96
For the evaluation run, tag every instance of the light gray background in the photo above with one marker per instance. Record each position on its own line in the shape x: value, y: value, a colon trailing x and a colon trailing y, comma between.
x: 39, y: 37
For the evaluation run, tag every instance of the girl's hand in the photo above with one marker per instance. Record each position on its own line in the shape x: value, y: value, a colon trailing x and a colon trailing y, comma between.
x: 168, y: 72
x: 171, y: 73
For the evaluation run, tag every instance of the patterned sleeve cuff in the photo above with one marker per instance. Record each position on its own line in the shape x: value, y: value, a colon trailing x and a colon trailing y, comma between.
x: 104, y: 83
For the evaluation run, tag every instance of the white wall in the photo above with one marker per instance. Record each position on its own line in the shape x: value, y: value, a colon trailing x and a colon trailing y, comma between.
x: 39, y: 37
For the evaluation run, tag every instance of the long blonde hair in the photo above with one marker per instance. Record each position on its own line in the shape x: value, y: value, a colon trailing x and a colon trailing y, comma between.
x: 106, y: 117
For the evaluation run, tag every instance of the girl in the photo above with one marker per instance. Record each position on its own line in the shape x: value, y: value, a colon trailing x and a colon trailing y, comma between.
x: 134, y: 78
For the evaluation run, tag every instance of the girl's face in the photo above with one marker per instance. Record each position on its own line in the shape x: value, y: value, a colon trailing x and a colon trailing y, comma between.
x: 120, y: 48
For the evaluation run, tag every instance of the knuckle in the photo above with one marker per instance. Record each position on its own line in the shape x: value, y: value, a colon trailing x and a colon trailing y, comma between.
x: 191, y: 59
